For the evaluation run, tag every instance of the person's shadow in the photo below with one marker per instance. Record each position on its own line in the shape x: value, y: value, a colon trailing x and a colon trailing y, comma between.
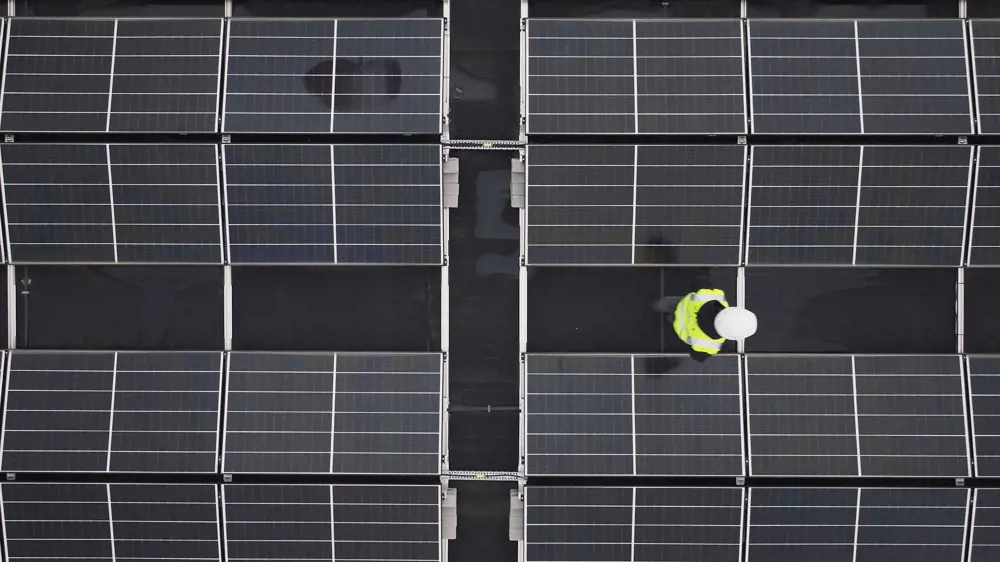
x: 362, y: 84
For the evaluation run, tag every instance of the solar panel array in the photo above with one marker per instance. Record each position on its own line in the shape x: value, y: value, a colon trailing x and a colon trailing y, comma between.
x: 614, y: 415
x: 343, y: 204
x: 111, y: 75
x: 635, y: 77
x: 333, y: 76
x: 333, y: 413
x: 634, y: 204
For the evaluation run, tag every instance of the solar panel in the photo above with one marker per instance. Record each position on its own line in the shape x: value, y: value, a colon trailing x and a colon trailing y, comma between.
x: 863, y: 76
x: 635, y: 77
x: 114, y: 203
x: 339, y: 523
x: 112, y: 412
x: 856, y: 416
x: 984, y: 372
x: 632, y: 524
x: 984, y: 245
x: 377, y: 204
x: 634, y: 205
x: 608, y: 415
x: 333, y: 413
x: 985, y: 39
x: 333, y: 76
x: 110, y: 522
x: 984, y: 539
x: 847, y: 524
x: 812, y: 205
x: 112, y: 75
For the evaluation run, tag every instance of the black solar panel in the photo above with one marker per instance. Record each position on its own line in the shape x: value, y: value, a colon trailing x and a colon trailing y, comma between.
x: 856, y: 416
x: 333, y: 413
x: 339, y: 523
x: 848, y: 524
x: 117, y: 203
x: 334, y: 76
x: 864, y: 76
x: 985, y: 38
x: 984, y: 246
x: 633, y: 415
x: 813, y: 205
x: 112, y: 412
x: 634, y: 205
x: 112, y: 75
x: 635, y: 76
x: 984, y: 538
x: 377, y: 204
x: 110, y: 522
x: 984, y: 374
x: 632, y: 524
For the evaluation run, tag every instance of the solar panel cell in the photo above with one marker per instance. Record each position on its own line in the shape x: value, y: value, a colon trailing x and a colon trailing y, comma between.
x: 985, y: 38
x: 110, y: 522
x: 914, y: 77
x: 804, y: 77
x: 635, y: 77
x: 812, y: 205
x: 339, y: 523
x: 984, y: 247
x: 166, y: 75
x: 58, y: 75
x: 984, y: 385
x: 636, y: 205
x: 621, y: 415
x: 984, y: 542
x: 112, y: 411
x: 625, y: 524
x: 856, y: 416
x: 373, y: 205
x: 841, y: 525
x: 384, y: 412
x: 334, y: 76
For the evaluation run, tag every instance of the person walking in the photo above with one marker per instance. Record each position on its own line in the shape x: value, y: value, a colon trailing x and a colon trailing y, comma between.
x: 704, y: 320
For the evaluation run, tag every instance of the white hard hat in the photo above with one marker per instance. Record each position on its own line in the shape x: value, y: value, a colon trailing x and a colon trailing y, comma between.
x: 735, y: 323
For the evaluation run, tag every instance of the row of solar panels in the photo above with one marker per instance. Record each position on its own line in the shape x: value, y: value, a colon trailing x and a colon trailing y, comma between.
x: 804, y: 76
x: 233, y: 522
x: 762, y: 415
x: 159, y: 412
x: 273, y: 76
x: 762, y: 205
x: 761, y: 524
x: 162, y: 203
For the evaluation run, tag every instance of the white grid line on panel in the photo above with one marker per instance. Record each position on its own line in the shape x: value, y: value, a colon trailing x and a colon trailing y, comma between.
x: 111, y: 79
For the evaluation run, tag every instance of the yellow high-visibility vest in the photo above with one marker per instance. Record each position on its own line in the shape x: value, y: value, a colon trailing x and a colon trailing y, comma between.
x: 686, y: 320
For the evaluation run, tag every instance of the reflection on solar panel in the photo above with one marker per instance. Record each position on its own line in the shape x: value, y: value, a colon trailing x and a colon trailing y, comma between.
x: 110, y: 75
x: 621, y: 415
x: 383, y: 411
x: 813, y: 205
x: 985, y: 38
x: 638, y: 205
x: 633, y: 524
x: 875, y: 77
x: 112, y: 412
x: 847, y: 524
x: 121, y: 522
x: 984, y: 386
x: 984, y: 247
x: 338, y: 523
x: 984, y: 539
x: 333, y: 76
x: 117, y: 203
x: 856, y: 416
x: 377, y: 204
x: 635, y: 76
